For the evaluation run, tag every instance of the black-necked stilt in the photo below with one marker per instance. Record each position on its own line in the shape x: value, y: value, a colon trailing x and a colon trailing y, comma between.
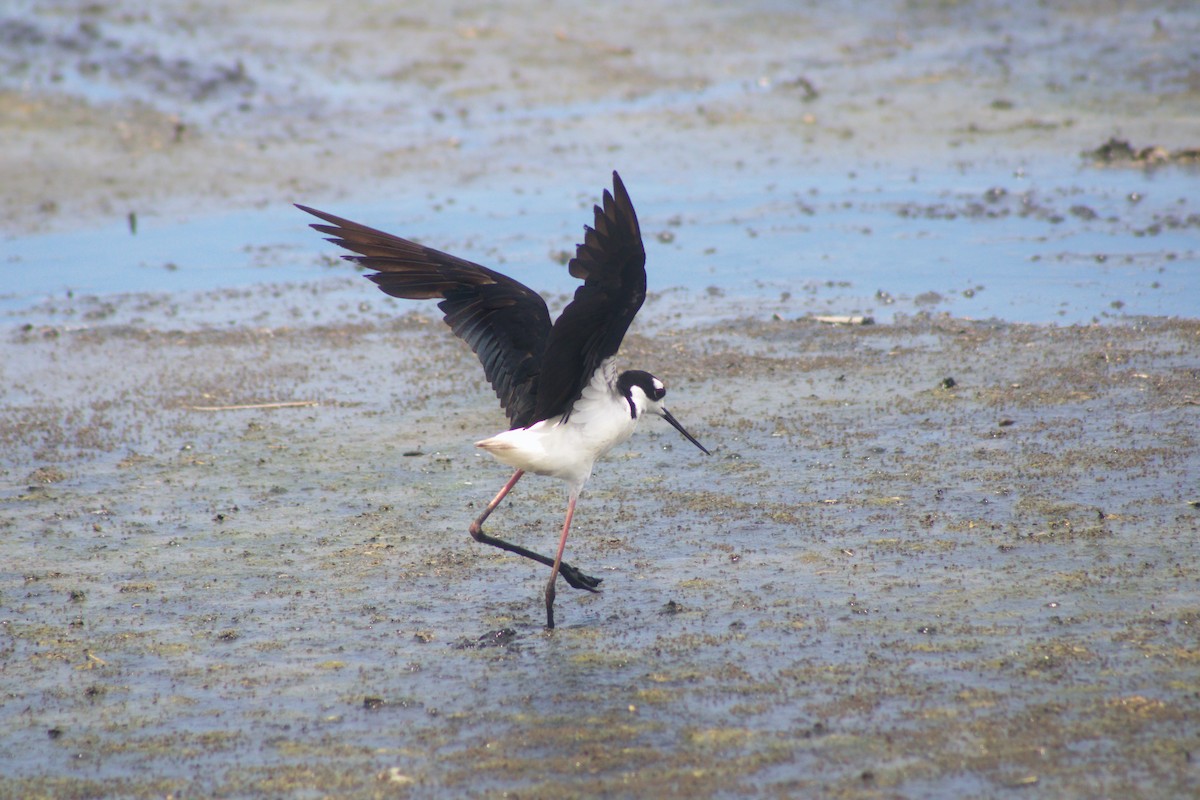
x: 564, y: 398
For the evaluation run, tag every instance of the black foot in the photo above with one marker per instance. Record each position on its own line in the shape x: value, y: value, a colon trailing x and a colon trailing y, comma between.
x: 578, y: 580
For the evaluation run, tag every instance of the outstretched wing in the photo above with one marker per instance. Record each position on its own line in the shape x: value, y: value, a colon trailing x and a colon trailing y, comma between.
x: 612, y: 264
x: 505, y: 322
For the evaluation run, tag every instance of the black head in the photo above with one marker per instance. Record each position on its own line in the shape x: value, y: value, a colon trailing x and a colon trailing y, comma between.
x: 651, y: 387
x: 644, y: 392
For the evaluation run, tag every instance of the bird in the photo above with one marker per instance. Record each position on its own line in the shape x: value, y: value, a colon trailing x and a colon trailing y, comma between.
x: 566, y: 402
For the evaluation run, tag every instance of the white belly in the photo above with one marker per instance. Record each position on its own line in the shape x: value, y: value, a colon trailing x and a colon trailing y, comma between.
x: 599, y: 421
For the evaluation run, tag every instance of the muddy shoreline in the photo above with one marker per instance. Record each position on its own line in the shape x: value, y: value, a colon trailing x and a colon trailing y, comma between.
x: 930, y: 557
x: 193, y: 108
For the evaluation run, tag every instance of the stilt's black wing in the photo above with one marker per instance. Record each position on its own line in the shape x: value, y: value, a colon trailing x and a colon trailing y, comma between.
x: 612, y: 264
x: 505, y: 322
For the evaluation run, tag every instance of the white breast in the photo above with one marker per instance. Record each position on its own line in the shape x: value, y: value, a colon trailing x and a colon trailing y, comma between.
x: 600, y: 420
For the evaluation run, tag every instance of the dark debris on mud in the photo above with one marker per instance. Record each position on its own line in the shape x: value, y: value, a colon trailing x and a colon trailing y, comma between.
x: 1119, y: 152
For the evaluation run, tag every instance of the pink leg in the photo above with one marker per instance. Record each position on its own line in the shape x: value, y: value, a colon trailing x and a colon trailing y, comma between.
x: 572, y: 576
x: 477, y: 525
x: 562, y: 545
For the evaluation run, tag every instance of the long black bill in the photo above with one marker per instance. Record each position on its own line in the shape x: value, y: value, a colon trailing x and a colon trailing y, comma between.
x: 675, y: 423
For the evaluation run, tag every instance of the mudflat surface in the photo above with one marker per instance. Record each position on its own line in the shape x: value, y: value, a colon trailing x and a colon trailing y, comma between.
x: 878, y: 584
x: 930, y: 557
x: 116, y: 107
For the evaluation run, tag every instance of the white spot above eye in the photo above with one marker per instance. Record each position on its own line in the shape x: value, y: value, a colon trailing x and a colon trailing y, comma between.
x: 658, y: 385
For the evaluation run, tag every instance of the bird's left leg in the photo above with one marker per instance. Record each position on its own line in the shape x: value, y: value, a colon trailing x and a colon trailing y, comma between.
x: 477, y: 525
x: 562, y: 544
x: 571, y: 575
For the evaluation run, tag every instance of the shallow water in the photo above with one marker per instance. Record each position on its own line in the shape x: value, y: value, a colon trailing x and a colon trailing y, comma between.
x: 1064, y: 245
x: 235, y: 480
x: 906, y: 157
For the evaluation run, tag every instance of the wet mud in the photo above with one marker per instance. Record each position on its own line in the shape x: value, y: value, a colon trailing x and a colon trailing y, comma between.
x: 112, y: 108
x: 931, y: 556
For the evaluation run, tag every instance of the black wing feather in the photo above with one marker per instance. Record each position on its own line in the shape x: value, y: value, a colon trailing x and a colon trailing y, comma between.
x: 505, y: 322
x: 611, y: 261
x: 537, y: 370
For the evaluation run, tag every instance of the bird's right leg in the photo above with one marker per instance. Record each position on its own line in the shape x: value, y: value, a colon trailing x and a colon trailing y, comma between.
x: 572, y: 576
x: 554, y: 572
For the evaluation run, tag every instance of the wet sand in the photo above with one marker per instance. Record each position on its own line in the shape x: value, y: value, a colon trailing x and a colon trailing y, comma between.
x: 933, y: 557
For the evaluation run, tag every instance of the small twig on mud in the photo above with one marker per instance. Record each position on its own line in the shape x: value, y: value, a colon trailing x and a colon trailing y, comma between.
x: 245, y: 406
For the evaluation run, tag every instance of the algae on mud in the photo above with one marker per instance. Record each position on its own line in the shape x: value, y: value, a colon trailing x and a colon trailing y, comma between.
x: 884, y: 583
